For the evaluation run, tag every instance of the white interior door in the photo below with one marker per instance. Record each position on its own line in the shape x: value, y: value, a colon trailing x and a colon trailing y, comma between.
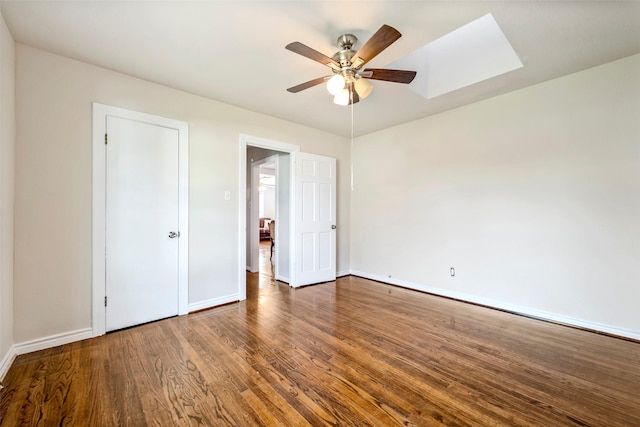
x: 314, y: 219
x: 142, y: 209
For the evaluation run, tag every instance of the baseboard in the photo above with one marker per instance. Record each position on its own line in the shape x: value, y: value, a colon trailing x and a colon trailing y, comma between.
x: 53, y: 341
x: 283, y: 279
x: 202, y: 305
x: 7, y: 361
x: 513, y: 308
x: 343, y: 273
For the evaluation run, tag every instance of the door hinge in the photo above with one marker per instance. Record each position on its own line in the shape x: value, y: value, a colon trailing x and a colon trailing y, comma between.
x: 105, y: 300
x: 106, y: 139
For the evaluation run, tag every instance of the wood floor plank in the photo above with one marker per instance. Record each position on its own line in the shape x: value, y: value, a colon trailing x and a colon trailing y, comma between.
x: 350, y: 352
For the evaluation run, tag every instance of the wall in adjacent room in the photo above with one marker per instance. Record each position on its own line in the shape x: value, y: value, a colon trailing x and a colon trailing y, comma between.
x: 7, y: 183
x: 268, y: 202
x: 53, y: 184
x: 533, y: 197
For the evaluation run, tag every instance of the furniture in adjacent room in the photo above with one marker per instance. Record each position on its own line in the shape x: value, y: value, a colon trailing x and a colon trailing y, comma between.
x: 264, y: 228
x: 272, y: 233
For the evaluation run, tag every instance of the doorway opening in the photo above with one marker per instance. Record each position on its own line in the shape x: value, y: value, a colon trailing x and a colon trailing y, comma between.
x: 267, y: 200
x: 264, y: 202
x: 268, y: 206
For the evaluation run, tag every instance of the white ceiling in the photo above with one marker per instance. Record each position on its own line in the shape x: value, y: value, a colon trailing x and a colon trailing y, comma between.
x: 233, y: 51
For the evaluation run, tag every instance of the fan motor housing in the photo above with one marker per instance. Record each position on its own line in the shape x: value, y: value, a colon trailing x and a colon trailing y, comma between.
x: 343, y: 57
x: 345, y: 42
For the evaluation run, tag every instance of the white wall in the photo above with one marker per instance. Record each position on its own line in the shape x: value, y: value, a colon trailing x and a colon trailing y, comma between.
x: 7, y: 181
x: 533, y: 196
x: 53, y: 185
x: 268, y: 203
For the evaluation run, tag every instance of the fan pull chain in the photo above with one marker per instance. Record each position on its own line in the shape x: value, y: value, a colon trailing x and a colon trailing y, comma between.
x: 351, y: 153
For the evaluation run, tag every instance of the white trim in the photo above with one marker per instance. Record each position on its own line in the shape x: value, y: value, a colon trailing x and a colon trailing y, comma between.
x: 214, y: 302
x: 100, y: 113
x: 343, y: 273
x: 98, y: 217
x: 183, y: 216
x: 243, y: 267
x: 7, y: 361
x: 500, y: 305
x: 53, y: 341
x: 253, y: 141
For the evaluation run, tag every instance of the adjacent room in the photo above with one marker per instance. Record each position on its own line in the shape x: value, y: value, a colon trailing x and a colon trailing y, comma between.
x: 319, y: 213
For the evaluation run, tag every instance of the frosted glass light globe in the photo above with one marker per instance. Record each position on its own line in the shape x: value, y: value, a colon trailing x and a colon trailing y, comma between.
x: 335, y: 84
x: 342, y: 98
x: 363, y: 87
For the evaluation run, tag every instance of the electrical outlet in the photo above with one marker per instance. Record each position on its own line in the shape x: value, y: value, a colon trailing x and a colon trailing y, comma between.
x: 452, y: 272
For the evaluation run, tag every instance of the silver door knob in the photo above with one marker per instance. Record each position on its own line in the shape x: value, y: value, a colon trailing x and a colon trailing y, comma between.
x: 333, y: 227
x: 173, y: 234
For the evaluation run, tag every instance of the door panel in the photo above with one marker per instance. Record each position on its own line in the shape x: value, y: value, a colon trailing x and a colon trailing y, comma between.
x: 325, y: 205
x: 308, y: 251
x: 315, y: 217
x: 141, y: 210
x: 324, y: 250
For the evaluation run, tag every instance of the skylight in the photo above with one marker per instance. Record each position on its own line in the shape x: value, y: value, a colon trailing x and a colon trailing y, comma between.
x: 470, y: 54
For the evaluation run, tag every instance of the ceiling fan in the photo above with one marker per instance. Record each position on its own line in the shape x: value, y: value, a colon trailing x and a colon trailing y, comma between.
x: 350, y: 82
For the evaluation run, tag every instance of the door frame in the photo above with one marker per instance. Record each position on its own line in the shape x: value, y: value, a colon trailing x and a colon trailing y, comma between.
x: 98, y: 212
x: 254, y: 141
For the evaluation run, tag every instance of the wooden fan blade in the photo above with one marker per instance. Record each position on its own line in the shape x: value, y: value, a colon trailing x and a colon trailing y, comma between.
x: 382, y: 39
x: 396, y: 76
x: 313, y: 54
x: 307, y: 85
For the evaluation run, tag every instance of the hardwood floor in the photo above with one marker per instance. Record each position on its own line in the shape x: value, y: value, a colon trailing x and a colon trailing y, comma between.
x: 350, y: 352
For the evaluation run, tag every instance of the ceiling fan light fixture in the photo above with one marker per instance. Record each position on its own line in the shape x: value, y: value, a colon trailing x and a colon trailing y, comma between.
x: 342, y: 98
x: 346, y: 84
x: 363, y: 87
x: 335, y: 84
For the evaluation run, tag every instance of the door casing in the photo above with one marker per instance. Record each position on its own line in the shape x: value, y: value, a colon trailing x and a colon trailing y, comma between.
x: 100, y: 113
x: 253, y: 141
